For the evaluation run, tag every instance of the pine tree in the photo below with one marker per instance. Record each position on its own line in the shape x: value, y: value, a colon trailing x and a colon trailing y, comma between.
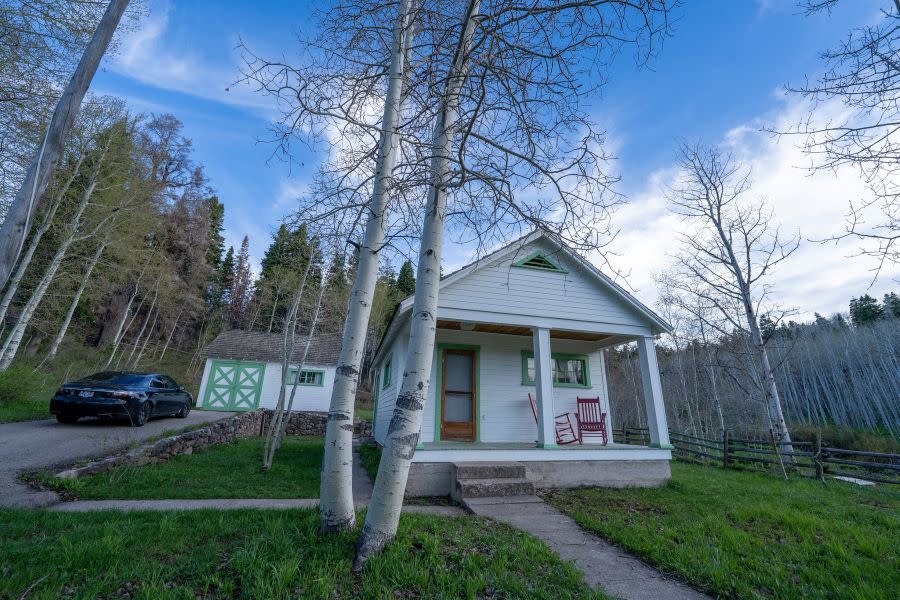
x: 240, y: 289
x: 215, y: 245
x: 406, y: 280
x: 891, y: 305
x: 865, y: 310
x: 225, y: 279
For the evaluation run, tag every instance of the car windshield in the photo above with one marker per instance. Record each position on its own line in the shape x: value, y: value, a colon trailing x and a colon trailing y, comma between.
x: 114, y: 378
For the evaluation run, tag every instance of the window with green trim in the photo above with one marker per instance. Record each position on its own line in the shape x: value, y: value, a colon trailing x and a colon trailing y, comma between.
x: 386, y: 372
x: 569, y: 370
x: 308, y: 377
x: 540, y: 261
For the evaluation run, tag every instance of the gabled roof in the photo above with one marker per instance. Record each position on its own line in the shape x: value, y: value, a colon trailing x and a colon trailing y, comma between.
x: 237, y: 344
x: 515, y: 247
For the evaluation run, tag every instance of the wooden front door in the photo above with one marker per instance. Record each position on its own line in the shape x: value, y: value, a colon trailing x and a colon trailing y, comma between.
x: 458, y: 395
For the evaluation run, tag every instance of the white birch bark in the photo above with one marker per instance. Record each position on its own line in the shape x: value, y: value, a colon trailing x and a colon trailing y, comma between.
x: 290, y: 326
x: 140, y: 334
x: 122, y: 329
x: 274, y: 308
x: 279, y: 436
x: 61, y: 334
x: 171, y: 334
x: 13, y: 341
x: 383, y: 514
x: 137, y: 359
x: 336, y: 491
x: 25, y: 261
x: 18, y: 220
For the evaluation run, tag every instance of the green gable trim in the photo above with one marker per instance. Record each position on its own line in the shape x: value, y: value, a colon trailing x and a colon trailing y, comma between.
x: 526, y: 380
x: 540, y: 261
x: 437, y: 389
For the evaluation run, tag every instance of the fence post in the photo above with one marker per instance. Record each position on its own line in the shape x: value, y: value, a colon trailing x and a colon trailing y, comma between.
x: 726, y: 442
x: 817, y: 458
x: 624, y: 434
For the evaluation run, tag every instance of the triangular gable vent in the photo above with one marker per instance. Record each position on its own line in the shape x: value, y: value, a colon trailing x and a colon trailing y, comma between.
x: 540, y: 261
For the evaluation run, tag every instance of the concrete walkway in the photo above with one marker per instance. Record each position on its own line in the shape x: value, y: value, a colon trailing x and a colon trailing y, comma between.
x: 81, y: 506
x: 604, y: 566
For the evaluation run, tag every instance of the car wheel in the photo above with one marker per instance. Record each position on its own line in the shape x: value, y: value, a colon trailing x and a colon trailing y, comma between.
x: 143, y: 414
x: 185, y: 411
x: 67, y: 419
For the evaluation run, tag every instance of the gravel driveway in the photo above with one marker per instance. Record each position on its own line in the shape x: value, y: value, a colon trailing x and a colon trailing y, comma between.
x: 33, y: 445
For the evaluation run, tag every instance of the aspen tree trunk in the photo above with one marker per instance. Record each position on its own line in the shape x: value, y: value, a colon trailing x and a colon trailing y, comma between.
x: 717, y: 404
x: 146, y: 340
x: 383, y: 514
x: 274, y: 307
x: 137, y: 340
x: 290, y: 326
x: 336, y: 491
x: 121, y: 330
x: 171, y: 334
x: 74, y: 304
x: 44, y: 227
x: 279, y: 436
x: 18, y: 220
x: 11, y: 346
x: 773, y: 400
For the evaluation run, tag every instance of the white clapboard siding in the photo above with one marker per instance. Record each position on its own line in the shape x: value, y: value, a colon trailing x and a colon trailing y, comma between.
x: 504, y: 412
x: 502, y: 288
x: 387, y: 396
x: 308, y: 397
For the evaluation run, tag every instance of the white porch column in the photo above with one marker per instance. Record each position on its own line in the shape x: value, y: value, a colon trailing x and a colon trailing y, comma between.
x: 653, y: 398
x: 543, y: 381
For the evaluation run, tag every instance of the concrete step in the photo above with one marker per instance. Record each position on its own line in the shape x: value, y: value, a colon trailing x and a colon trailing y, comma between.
x: 486, y: 488
x: 490, y: 470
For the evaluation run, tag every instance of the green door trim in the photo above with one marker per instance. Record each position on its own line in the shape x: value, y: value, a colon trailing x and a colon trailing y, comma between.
x: 234, y: 384
x: 437, y: 390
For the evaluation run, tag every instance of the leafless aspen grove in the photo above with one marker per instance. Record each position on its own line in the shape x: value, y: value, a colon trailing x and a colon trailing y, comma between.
x: 828, y: 372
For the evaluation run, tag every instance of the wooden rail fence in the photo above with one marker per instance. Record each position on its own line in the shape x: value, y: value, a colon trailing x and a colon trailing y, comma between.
x: 809, y: 459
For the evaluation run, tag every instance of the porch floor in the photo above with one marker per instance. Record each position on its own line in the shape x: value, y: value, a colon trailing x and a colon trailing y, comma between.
x: 448, y: 451
x: 453, y: 445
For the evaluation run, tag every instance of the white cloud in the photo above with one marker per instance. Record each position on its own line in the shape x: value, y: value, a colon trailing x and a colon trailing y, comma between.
x: 819, y: 277
x: 148, y: 54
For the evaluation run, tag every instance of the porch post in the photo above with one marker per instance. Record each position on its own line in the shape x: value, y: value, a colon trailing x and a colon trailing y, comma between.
x: 653, y: 399
x: 543, y: 381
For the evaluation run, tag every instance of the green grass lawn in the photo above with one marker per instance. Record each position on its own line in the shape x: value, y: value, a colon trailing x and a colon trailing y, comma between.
x: 369, y: 457
x: 268, y: 554
x: 752, y: 535
x: 25, y: 395
x: 222, y: 471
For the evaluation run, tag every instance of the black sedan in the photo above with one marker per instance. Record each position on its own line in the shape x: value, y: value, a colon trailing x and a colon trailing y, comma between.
x: 135, y: 396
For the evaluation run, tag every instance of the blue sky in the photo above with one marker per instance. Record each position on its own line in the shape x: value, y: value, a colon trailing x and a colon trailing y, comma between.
x: 718, y: 78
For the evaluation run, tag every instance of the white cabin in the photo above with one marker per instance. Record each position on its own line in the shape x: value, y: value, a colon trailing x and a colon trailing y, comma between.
x: 533, y: 317
x: 243, y: 371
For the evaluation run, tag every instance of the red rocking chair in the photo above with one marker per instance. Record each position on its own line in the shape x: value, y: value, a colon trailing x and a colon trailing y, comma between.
x: 591, y: 419
x: 565, y: 431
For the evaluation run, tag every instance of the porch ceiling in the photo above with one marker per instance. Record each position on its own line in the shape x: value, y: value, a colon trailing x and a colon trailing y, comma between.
x: 526, y: 331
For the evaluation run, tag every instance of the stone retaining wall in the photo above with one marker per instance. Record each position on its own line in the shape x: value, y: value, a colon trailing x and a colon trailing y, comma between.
x: 240, y: 426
